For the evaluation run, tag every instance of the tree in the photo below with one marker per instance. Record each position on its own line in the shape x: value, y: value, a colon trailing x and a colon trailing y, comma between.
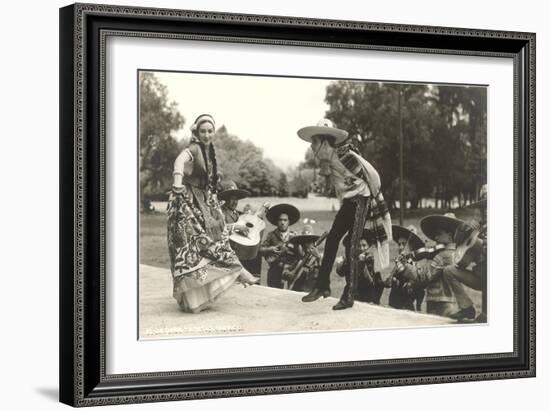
x: 283, y: 188
x: 158, y: 118
x: 244, y: 163
x: 444, y: 135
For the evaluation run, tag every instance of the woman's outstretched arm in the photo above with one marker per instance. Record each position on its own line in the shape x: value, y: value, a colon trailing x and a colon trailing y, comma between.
x: 183, y: 158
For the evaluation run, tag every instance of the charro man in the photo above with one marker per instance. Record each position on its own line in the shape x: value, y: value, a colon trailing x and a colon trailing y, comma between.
x: 357, y: 185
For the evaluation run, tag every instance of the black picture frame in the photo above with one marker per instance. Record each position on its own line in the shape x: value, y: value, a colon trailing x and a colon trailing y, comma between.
x: 83, y: 29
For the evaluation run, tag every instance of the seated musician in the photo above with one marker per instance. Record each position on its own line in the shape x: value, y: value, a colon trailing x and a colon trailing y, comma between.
x: 274, y: 247
x: 369, y: 282
x: 301, y: 273
x: 439, y: 295
x: 230, y: 194
x: 403, y: 280
x: 471, y: 265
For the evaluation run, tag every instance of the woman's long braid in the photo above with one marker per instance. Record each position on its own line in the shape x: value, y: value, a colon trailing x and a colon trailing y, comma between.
x: 214, y: 189
x: 215, y: 177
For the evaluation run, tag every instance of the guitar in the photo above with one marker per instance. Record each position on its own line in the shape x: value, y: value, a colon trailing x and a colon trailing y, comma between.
x: 246, y: 246
x: 304, y: 262
x: 470, y: 250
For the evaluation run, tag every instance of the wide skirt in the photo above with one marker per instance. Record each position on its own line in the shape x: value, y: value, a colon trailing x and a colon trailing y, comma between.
x: 202, y: 262
x: 196, y: 291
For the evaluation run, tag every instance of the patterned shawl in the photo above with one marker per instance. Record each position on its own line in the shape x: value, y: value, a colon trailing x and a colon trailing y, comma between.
x: 378, y: 219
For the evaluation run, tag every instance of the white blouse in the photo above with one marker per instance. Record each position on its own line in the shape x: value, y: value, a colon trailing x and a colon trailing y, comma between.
x: 182, y: 165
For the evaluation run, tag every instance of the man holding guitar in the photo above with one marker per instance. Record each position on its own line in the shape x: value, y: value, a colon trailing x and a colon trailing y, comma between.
x: 301, y: 274
x: 471, y: 263
x: 440, y: 299
x: 230, y: 194
x: 274, y: 247
x: 241, y: 228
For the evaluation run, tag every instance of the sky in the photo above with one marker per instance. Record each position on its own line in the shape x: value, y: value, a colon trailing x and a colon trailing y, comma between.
x: 265, y: 110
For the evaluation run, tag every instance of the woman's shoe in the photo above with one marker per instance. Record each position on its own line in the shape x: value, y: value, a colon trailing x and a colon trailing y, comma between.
x: 315, y: 294
x: 247, y: 279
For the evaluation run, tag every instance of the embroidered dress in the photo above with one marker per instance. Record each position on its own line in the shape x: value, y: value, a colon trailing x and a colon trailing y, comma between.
x: 202, y: 263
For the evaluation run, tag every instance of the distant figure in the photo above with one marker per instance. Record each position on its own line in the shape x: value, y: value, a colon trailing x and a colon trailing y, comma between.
x: 247, y: 209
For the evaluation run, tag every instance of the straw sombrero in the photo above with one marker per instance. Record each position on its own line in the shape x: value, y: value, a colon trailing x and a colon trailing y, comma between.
x: 275, y: 211
x: 432, y: 223
x: 414, y: 241
x: 229, y: 189
x: 306, y: 236
x: 323, y: 127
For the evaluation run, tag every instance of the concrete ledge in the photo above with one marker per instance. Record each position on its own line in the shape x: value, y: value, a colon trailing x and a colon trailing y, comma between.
x: 258, y: 310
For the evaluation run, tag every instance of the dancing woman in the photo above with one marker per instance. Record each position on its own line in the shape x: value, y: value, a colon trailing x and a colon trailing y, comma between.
x: 202, y: 262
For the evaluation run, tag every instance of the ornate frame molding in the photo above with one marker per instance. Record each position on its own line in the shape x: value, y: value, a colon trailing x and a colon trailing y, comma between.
x: 82, y: 274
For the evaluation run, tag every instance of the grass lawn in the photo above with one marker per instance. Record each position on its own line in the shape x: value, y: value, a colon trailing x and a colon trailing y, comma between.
x: 153, y: 246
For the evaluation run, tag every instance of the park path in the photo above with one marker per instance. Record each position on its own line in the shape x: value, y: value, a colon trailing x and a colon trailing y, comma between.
x: 258, y: 310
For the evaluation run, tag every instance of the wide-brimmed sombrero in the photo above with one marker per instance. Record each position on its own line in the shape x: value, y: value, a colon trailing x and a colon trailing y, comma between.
x: 229, y: 189
x: 306, y: 236
x: 275, y: 211
x: 409, y: 233
x: 432, y: 223
x: 482, y: 202
x: 323, y: 127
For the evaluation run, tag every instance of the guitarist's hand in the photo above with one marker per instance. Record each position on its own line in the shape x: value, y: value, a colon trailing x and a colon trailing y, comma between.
x: 275, y: 251
x: 241, y: 229
x: 475, y: 225
x: 288, y: 276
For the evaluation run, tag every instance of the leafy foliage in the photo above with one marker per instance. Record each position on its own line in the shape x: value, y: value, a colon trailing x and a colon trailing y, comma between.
x: 158, y: 149
x: 444, y: 135
x: 244, y: 163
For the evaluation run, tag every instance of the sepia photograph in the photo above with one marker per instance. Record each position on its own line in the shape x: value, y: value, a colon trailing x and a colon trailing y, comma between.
x: 278, y: 204
x: 266, y: 204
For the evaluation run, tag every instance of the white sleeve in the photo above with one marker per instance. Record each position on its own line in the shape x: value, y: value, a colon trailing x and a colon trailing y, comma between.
x: 184, y: 157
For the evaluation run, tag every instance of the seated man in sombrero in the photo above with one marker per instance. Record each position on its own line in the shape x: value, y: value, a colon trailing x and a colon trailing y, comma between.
x: 370, y: 286
x: 274, y: 247
x: 439, y: 295
x: 403, y: 280
x: 470, y: 267
x: 357, y: 185
x: 230, y: 194
x: 301, y: 272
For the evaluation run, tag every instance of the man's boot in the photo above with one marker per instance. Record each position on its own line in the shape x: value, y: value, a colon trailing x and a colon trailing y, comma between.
x: 346, y: 300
